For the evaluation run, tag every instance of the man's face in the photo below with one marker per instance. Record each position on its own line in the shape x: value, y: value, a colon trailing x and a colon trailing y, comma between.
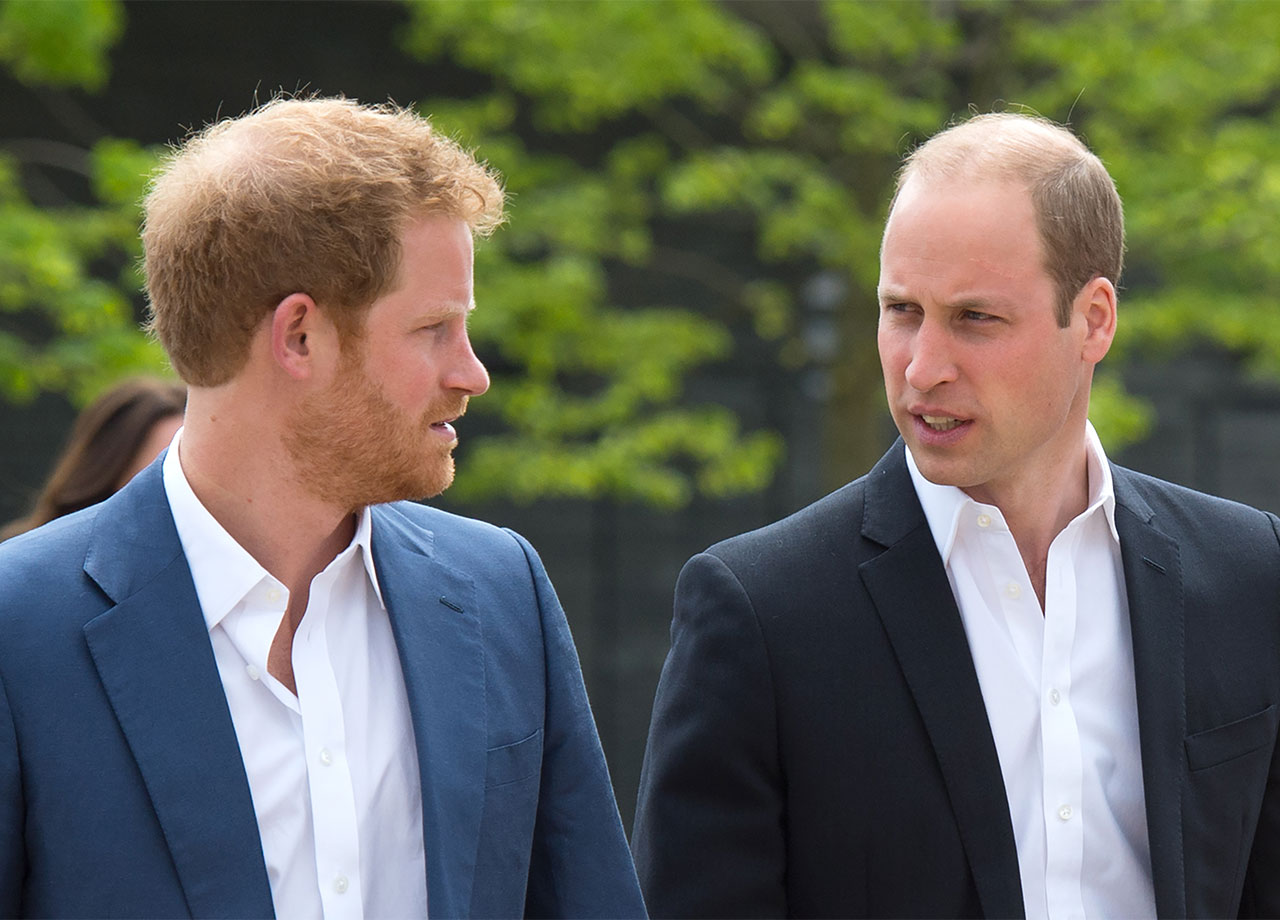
x: 381, y: 431
x: 987, y: 390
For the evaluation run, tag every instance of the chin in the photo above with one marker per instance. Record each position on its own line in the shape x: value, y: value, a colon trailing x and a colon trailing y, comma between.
x: 428, y: 483
x: 435, y: 488
x: 938, y: 473
x: 407, y: 485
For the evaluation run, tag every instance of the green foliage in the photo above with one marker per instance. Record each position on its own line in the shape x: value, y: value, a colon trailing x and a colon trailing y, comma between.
x: 87, y: 334
x: 59, y: 42
x: 679, y: 116
x: 583, y: 62
x: 1118, y: 417
x: 587, y: 387
x: 675, y: 167
x: 1187, y: 118
x: 628, y: 462
x: 784, y: 123
x: 66, y: 324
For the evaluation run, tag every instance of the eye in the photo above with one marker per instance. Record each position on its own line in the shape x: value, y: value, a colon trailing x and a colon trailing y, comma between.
x: 899, y: 307
x: 978, y: 316
x: 434, y: 325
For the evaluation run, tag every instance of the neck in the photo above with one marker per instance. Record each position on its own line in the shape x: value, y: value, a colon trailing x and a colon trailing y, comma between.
x: 237, y: 466
x: 1038, y: 509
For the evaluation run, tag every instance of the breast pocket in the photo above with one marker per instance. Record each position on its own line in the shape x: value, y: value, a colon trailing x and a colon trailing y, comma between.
x: 513, y: 762
x: 1225, y: 743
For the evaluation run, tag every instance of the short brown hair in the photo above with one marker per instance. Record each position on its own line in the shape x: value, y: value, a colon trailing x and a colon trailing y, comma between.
x: 300, y: 195
x: 1077, y: 208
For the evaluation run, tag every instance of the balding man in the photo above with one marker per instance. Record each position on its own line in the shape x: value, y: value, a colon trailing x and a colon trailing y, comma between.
x: 996, y: 676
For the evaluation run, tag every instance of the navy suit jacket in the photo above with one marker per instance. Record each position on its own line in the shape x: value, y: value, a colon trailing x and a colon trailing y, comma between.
x: 122, y: 790
x: 820, y: 746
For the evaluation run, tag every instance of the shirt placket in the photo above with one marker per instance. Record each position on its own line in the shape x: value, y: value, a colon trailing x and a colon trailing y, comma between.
x: 1060, y: 736
x: 1016, y: 599
x: 332, y: 795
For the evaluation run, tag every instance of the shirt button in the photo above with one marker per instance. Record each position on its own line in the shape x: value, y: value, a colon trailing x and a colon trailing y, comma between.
x: 1055, y: 697
x: 984, y: 520
x: 252, y: 671
x: 325, y: 757
x: 1013, y: 589
x: 340, y: 884
x: 1064, y: 812
x: 273, y: 595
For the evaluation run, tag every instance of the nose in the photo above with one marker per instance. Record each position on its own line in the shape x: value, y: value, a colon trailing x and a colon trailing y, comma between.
x: 932, y: 362
x: 467, y: 373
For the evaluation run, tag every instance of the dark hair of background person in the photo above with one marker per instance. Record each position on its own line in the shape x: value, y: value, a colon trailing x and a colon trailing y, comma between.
x: 101, y: 453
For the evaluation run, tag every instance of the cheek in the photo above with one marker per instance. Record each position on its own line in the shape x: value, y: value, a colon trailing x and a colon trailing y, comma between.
x: 1031, y: 383
x: 403, y: 373
x: 895, y: 354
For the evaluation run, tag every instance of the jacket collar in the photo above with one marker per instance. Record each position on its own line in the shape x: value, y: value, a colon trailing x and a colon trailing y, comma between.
x: 156, y: 664
x: 436, y: 622
x: 154, y: 658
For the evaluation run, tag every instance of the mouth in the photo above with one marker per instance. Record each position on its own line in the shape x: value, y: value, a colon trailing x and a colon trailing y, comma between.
x: 941, y: 422
x: 934, y: 428
x: 445, y: 425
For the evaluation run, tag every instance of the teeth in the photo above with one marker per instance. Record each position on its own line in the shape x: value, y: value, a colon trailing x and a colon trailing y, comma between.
x: 940, y: 422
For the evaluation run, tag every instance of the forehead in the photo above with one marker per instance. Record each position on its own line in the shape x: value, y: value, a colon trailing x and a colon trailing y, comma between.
x: 957, y: 226
x: 436, y: 255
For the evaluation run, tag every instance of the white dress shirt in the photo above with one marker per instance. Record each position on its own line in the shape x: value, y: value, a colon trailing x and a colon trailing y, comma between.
x: 1059, y: 693
x: 333, y: 771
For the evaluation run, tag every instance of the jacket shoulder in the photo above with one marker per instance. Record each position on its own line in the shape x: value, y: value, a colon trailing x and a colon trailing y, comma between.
x: 454, y: 539
x: 38, y: 562
x: 802, y: 538
x: 1170, y: 506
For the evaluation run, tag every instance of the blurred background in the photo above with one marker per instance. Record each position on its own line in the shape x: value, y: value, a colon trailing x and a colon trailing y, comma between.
x: 679, y: 316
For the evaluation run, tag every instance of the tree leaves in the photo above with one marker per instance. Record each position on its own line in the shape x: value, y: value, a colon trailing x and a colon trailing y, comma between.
x: 59, y: 42
x: 681, y: 169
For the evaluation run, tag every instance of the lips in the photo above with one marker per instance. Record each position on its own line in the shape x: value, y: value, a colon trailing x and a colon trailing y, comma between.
x: 444, y: 426
x: 934, y: 426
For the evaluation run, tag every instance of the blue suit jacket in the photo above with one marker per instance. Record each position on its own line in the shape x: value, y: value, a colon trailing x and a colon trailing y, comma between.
x: 122, y: 791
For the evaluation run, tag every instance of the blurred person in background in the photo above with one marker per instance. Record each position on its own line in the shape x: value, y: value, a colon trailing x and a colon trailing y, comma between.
x: 112, y: 440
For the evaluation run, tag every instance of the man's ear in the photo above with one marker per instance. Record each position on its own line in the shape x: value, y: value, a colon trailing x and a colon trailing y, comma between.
x: 294, y: 325
x: 1097, y: 301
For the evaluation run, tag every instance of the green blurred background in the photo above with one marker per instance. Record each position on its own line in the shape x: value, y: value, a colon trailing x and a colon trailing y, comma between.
x: 679, y: 316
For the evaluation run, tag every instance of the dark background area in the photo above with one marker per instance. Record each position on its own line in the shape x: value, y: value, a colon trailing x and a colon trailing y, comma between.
x: 180, y: 65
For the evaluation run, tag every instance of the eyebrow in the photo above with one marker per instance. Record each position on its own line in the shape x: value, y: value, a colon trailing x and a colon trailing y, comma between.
x: 441, y: 310
x: 978, y: 304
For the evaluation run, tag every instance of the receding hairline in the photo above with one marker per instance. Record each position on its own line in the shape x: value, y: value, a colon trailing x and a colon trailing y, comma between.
x: 1079, y: 215
x: 932, y: 183
x: 994, y: 146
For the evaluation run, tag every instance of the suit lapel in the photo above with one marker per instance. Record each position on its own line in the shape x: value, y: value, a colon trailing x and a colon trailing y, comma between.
x: 434, y: 618
x: 153, y: 655
x: 1153, y: 585
x: 909, y: 586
